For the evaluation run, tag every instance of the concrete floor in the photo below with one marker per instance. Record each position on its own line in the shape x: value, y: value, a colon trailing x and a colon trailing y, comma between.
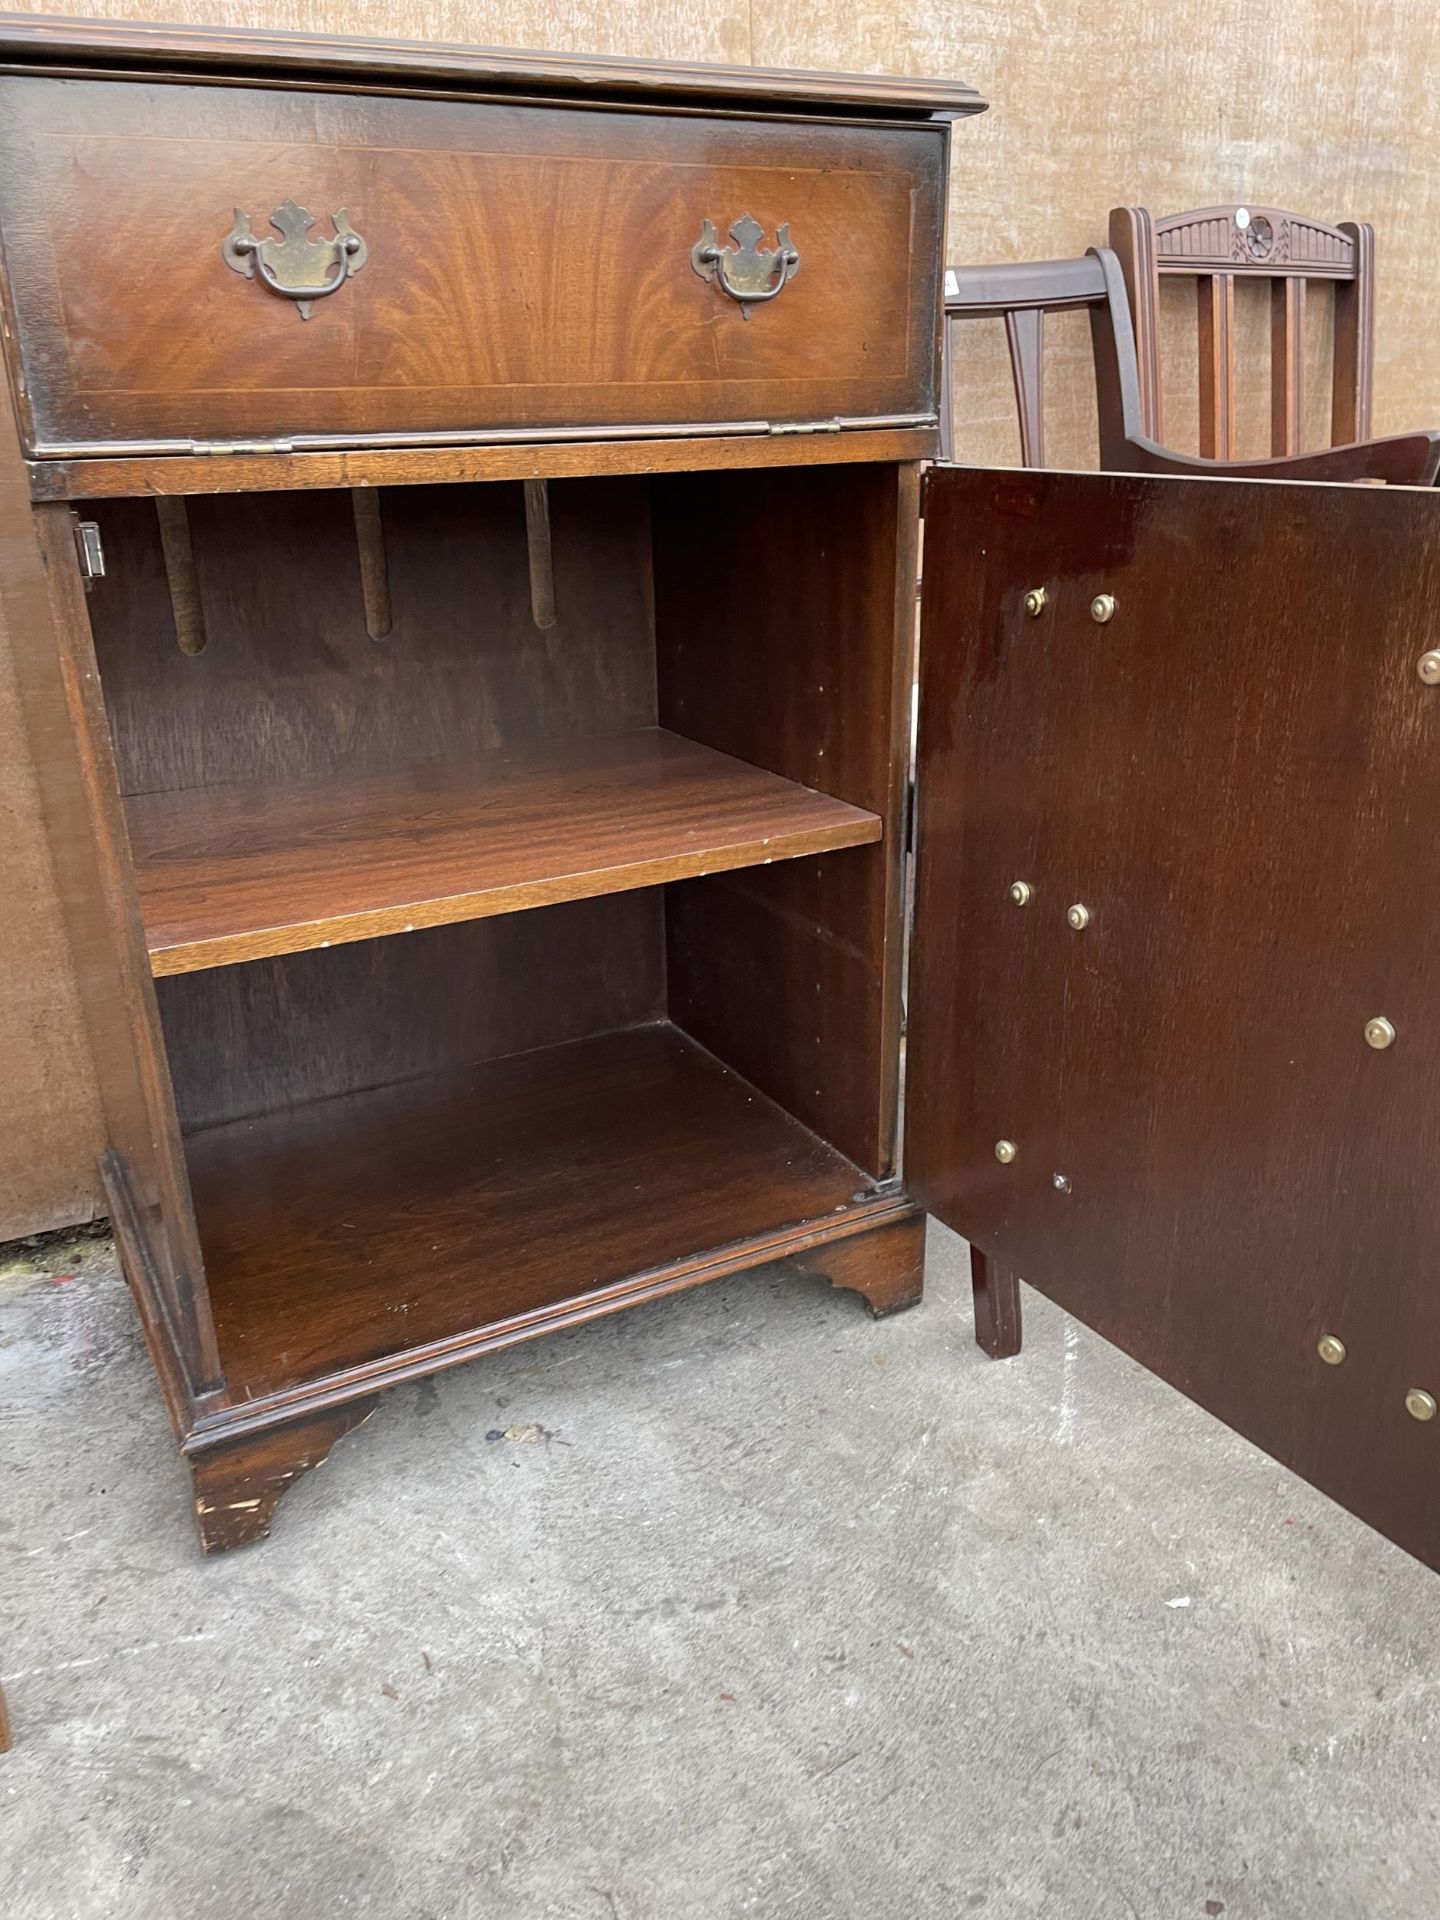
x: 759, y: 1609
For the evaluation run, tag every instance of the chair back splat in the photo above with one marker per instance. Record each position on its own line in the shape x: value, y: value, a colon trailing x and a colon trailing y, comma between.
x: 1218, y: 246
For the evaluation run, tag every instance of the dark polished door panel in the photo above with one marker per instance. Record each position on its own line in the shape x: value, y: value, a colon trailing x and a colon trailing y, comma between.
x: 1237, y: 777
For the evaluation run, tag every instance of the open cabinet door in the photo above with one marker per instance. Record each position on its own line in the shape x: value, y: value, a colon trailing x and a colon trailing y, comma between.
x: 1222, y: 1162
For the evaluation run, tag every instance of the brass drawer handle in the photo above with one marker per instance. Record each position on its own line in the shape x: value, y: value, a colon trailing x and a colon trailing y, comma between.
x: 746, y: 271
x: 301, y: 269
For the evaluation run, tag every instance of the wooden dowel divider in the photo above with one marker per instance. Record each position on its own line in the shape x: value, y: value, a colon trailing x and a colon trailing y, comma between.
x: 180, y: 574
x: 537, y: 540
x: 374, y: 567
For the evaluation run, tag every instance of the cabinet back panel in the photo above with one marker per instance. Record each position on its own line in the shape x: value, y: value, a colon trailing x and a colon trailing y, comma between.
x: 276, y: 1033
x: 290, y: 682
x: 785, y: 622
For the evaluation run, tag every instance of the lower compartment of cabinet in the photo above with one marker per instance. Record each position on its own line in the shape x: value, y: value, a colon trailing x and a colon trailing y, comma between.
x: 370, y: 1237
x: 406, y: 1152
x: 397, y: 1223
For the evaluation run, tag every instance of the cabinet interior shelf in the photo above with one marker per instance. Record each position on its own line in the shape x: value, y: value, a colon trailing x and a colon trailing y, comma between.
x: 344, y: 1234
x: 234, y: 873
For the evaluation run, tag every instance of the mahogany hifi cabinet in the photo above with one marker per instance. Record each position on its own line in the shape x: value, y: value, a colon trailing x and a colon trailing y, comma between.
x: 460, y: 528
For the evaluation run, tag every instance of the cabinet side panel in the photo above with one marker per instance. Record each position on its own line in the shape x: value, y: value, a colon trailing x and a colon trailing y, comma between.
x: 785, y: 618
x: 45, y: 609
x: 51, y: 1128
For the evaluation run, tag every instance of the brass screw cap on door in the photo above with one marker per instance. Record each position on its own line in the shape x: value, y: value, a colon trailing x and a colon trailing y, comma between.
x: 1428, y: 668
x: 1330, y: 1349
x: 1379, y: 1034
x: 1005, y: 1151
x: 1419, y: 1404
x: 1036, y: 601
x: 1102, y: 609
x: 1078, y: 917
x: 1021, y: 893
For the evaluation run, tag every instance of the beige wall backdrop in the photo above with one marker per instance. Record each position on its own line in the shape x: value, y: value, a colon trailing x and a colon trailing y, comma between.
x: 1322, y: 105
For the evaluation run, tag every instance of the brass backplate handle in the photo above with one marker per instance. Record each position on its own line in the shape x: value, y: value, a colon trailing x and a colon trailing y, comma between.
x: 747, y: 271
x: 302, y: 269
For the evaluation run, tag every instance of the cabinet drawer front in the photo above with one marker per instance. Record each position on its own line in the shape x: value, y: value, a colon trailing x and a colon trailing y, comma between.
x: 522, y: 266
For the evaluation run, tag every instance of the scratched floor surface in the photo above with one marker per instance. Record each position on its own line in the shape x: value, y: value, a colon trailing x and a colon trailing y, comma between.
x: 736, y: 1606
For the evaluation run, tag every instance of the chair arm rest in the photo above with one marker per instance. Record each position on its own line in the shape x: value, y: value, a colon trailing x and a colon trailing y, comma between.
x: 1399, y: 460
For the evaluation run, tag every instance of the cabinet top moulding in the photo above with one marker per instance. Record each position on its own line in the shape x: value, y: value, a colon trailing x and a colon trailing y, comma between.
x: 230, y: 52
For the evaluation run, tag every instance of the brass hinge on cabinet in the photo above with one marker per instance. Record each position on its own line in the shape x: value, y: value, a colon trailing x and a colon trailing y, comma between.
x: 220, y: 447
x: 90, y: 551
x: 806, y: 426
x: 853, y: 423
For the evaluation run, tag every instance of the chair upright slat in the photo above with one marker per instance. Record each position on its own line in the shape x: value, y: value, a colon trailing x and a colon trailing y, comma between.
x: 1025, y: 331
x: 1215, y: 297
x: 1287, y: 365
x: 1353, y: 391
x: 1132, y: 238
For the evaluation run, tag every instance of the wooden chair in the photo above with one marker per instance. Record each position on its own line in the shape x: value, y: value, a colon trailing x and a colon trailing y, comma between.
x: 1022, y: 295
x: 1216, y: 246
